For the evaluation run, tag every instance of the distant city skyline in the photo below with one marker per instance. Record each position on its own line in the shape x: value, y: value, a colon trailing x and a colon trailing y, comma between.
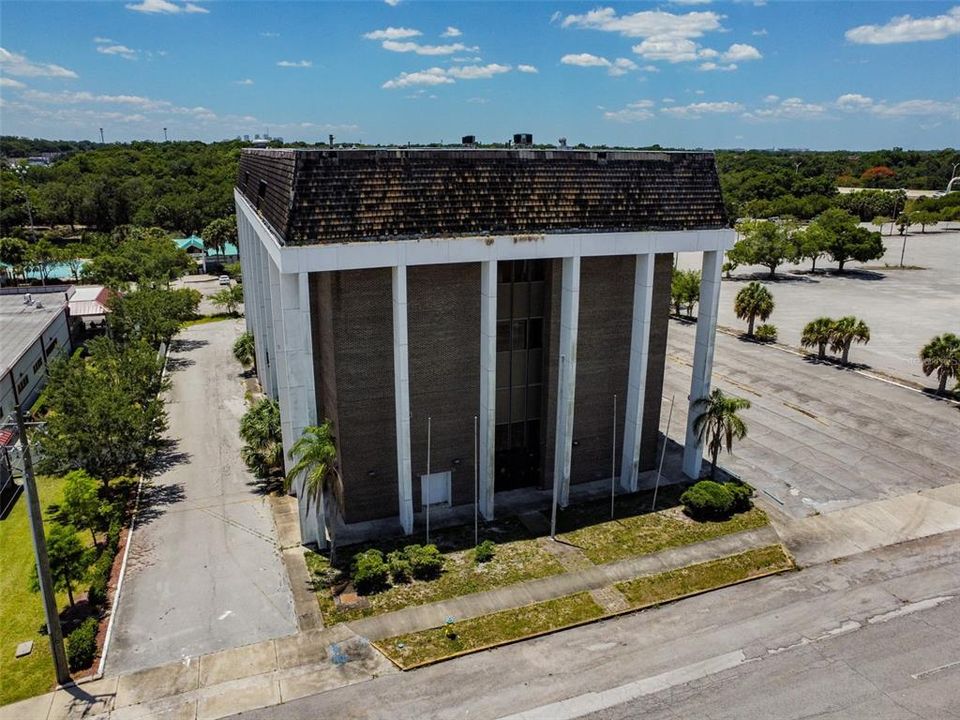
x: 689, y: 73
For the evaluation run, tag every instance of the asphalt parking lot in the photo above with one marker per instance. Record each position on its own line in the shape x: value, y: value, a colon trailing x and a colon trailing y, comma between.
x: 904, y: 308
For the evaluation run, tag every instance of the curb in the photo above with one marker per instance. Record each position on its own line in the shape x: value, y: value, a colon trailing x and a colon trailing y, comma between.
x: 793, y: 567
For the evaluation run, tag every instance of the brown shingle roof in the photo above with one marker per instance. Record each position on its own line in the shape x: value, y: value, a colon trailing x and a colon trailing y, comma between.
x: 317, y: 196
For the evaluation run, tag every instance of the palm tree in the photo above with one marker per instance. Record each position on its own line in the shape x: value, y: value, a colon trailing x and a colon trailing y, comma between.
x: 315, y: 453
x: 846, y: 331
x: 244, y: 350
x: 942, y: 355
x: 752, y: 302
x: 718, y: 424
x: 263, y: 445
x: 817, y: 333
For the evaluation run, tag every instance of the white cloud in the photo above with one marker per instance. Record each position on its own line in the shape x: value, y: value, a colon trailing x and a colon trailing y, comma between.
x: 295, y: 63
x: 633, y: 112
x: 165, y: 7
x: 904, y: 28
x: 619, y: 66
x: 11, y: 83
x: 270, y: 34
x: 103, y: 40
x: 392, y: 3
x: 14, y: 64
x: 792, y: 108
x: 672, y: 48
x: 708, y: 53
x: 691, y: 2
x: 392, y: 33
x: 646, y: 24
x: 667, y: 100
x: 451, y: 31
x: 121, y: 50
x: 445, y: 76
x: 245, y: 81
x: 695, y: 111
x: 527, y: 69
x: 854, y: 102
x: 739, y: 52
x: 712, y: 66
x: 771, y: 98
x: 478, y: 100
x: 404, y: 47
x: 759, y: 33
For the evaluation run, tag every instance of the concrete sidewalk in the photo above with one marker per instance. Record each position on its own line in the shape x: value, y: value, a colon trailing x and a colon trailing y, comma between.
x: 421, y: 617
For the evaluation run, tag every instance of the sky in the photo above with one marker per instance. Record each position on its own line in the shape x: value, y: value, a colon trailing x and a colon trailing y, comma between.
x: 688, y: 73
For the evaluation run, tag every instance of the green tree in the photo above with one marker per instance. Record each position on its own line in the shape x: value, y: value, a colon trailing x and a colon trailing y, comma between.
x: 315, y: 456
x: 717, y: 423
x: 73, y: 257
x: 244, y: 350
x: 154, y: 314
x: 764, y: 242
x: 846, y: 240
x: 14, y: 252
x: 924, y: 218
x: 818, y: 333
x: 685, y: 290
x: 229, y: 298
x: 41, y: 258
x: 904, y: 221
x: 942, y: 356
x: 262, y: 451
x: 81, y: 504
x: 218, y: 233
x: 69, y: 560
x: 811, y: 244
x: 845, y: 332
x: 752, y: 302
x: 881, y: 220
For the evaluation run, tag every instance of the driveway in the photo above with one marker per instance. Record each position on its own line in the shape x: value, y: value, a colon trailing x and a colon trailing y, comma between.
x: 204, y: 571
x: 820, y: 437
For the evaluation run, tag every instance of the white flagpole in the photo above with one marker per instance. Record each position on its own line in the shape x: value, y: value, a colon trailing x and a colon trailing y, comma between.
x: 476, y: 485
x: 428, y: 481
x: 613, y: 458
x: 663, y: 451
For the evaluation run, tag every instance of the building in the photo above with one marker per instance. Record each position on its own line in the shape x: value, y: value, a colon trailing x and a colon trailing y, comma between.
x: 90, y: 304
x: 34, y: 329
x: 522, y: 287
x: 201, y: 255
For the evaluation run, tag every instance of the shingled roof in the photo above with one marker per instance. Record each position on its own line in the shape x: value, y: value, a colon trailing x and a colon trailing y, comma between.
x: 320, y: 196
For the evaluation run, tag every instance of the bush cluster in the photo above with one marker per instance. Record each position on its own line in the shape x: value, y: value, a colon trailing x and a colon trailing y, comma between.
x: 709, y: 500
x: 82, y: 644
x: 484, y: 551
x: 766, y: 333
x: 371, y: 572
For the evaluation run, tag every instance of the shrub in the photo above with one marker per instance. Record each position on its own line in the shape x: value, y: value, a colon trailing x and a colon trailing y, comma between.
x: 82, y: 644
x: 426, y: 562
x: 741, y: 493
x: 370, y: 572
x: 100, y: 578
x: 484, y: 551
x: 113, y: 537
x: 766, y: 333
x: 707, y: 499
x: 400, y: 569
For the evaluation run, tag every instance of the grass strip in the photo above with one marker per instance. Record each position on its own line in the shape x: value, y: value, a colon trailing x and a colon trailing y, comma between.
x: 673, y: 584
x: 427, y: 646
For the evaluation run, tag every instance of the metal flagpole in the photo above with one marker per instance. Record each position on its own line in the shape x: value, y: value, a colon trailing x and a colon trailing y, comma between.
x: 663, y: 451
x: 428, y: 481
x: 556, y: 476
x: 476, y: 486
x: 613, y: 458
x: 43, y: 561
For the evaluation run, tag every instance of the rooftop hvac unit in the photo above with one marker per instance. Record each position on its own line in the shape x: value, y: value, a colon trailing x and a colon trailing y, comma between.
x: 523, y: 139
x: 468, y: 140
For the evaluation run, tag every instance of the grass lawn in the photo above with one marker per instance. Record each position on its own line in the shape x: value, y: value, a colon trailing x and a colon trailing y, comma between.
x: 21, y: 611
x: 652, y: 589
x: 517, y: 557
x: 497, y: 628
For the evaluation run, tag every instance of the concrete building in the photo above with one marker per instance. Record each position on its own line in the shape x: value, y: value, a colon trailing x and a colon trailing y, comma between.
x: 34, y: 329
x: 521, y: 287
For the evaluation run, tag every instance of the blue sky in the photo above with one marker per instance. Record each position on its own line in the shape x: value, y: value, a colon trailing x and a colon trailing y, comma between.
x: 821, y: 75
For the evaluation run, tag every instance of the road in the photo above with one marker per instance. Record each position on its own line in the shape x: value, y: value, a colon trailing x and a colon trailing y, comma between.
x: 204, y: 571
x: 874, y: 615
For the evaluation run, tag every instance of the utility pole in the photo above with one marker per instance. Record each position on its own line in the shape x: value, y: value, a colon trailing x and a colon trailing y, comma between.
x: 663, y: 451
x: 54, y: 632
x: 101, y: 136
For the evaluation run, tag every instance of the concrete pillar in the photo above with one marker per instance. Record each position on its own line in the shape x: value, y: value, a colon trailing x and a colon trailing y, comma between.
x: 567, y: 376
x: 702, y: 356
x: 637, y: 378
x: 243, y: 244
x: 295, y: 386
x: 488, y: 385
x: 269, y: 287
x: 401, y: 381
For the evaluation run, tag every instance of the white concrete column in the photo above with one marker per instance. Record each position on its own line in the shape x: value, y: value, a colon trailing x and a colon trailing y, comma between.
x: 401, y: 389
x: 637, y: 378
x: 702, y: 356
x: 567, y: 376
x: 270, y: 289
x: 488, y: 385
x: 295, y: 386
x: 243, y: 244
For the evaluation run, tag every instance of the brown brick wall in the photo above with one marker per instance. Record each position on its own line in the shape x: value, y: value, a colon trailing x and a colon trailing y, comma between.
x: 444, y: 336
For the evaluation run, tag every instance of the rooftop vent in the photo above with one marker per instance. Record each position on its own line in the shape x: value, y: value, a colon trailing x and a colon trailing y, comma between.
x: 468, y: 140
x: 523, y: 139
x: 562, y: 142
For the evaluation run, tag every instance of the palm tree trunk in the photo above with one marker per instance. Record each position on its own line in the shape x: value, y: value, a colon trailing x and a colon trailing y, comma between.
x: 822, y: 351
x: 813, y: 265
x: 70, y: 592
x: 713, y: 462
x: 943, y: 383
x: 846, y: 352
x: 750, y: 325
